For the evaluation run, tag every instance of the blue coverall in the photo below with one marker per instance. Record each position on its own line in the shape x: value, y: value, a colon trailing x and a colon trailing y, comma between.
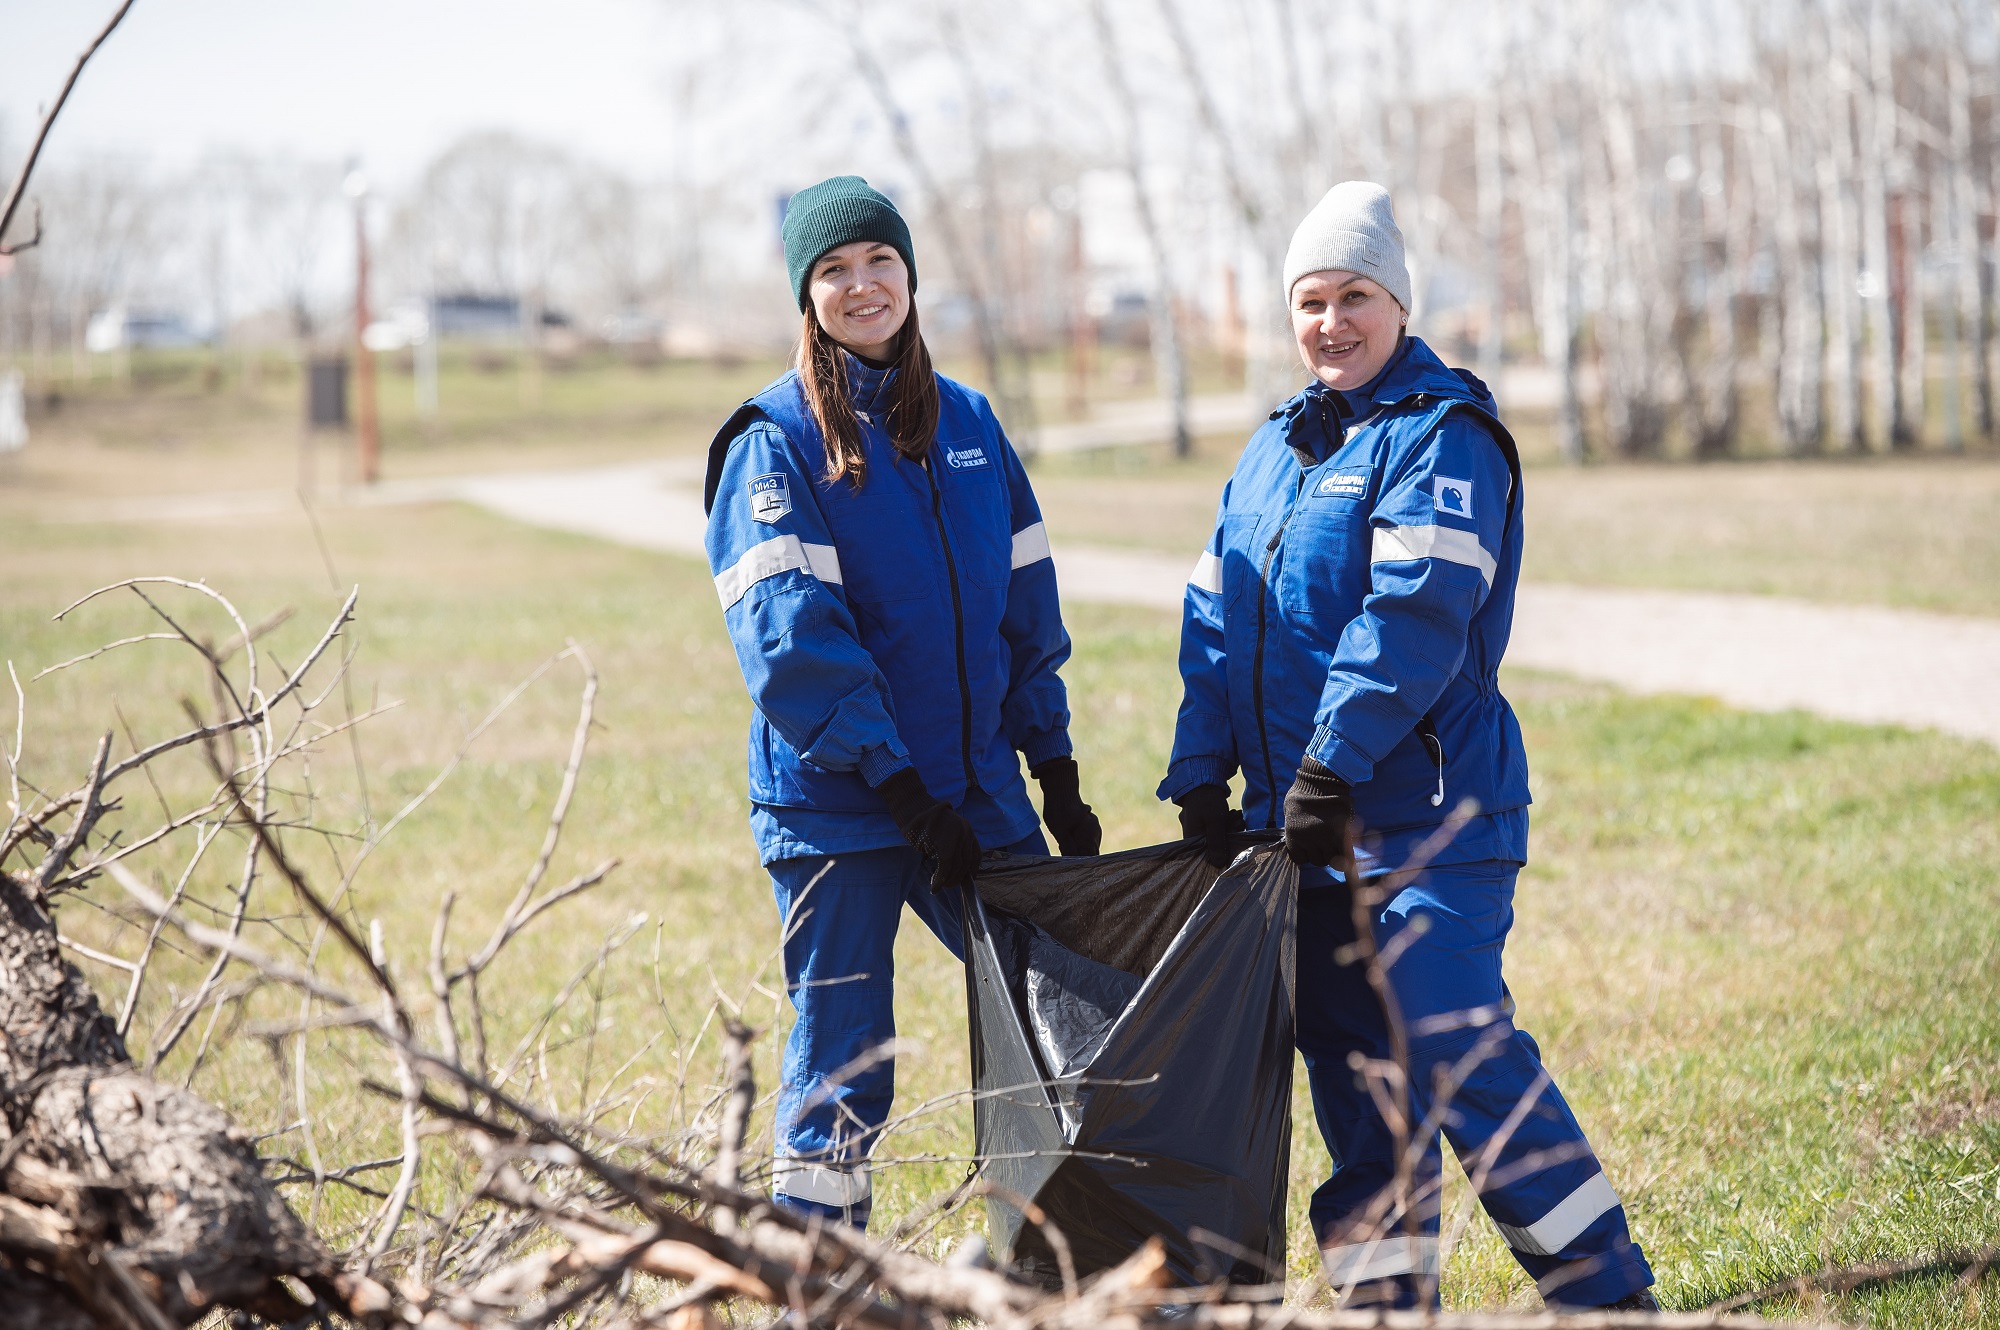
x: 1352, y: 606
x: 910, y: 622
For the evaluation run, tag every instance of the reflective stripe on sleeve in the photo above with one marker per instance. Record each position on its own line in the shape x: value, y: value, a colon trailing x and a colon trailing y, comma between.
x: 1561, y: 1226
x: 1207, y: 574
x: 821, y: 1184
x: 1433, y: 542
x: 1031, y: 545
x: 772, y: 557
x: 823, y: 561
x: 1360, y: 1261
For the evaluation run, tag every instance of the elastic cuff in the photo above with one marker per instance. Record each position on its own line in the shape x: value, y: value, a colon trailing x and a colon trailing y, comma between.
x: 1189, y: 772
x: 1043, y: 745
x: 881, y: 762
x: 1343, y: 759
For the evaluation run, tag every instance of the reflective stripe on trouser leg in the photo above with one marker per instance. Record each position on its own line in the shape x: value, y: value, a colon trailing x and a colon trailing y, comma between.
x: 1359, y: 1262
x: 1565, y: 1221
x: 1507, y: 1121
x: 838, y: 1187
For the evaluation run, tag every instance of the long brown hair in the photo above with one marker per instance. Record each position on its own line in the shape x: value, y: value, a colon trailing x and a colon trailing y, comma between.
x: 913, y: 399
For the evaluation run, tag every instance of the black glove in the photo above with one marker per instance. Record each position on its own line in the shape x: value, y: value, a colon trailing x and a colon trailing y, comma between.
x: 934, y: 827
x: 1078, y: 833
x: 1207, y: 816
x: 1318, y: 810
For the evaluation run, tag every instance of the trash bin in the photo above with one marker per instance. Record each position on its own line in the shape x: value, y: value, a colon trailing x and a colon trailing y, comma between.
x: 326, y: 393
x: 1132, y: 1056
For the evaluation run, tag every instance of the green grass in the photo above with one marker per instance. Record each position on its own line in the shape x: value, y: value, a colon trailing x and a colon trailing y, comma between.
x: 1921, y: 531
x: 1916, y: 532
x: 1762, y: 952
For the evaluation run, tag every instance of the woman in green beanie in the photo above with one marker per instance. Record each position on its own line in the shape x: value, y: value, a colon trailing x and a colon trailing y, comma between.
x: 886, y: 579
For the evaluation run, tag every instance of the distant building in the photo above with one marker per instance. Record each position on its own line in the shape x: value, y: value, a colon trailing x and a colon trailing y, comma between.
x: 117, y: 329
x: 489, y: 318
x: 485, y: 318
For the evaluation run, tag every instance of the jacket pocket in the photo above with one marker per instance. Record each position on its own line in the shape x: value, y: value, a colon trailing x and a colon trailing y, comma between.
x: 779, y: 776
x: 1324, y: 574
x: 880, y: 535
x: 982, y: 541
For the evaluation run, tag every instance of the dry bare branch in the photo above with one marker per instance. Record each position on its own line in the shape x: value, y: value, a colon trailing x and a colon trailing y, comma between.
x: 19, y: 188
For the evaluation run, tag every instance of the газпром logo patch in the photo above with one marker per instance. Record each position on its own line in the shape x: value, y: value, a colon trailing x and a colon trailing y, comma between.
x: 964, y: 459
x: 1342, y: 485
x: 770, y: 497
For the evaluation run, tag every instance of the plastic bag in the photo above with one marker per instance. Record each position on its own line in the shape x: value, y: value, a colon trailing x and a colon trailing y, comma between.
x: 1132, y: 1056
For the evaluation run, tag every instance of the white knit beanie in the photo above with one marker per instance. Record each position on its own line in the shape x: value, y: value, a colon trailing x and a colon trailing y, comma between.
x: 1352, y: 229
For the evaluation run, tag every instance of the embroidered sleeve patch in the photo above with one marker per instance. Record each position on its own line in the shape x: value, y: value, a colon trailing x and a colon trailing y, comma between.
x: 770, y: 497
x: 1451, y: 496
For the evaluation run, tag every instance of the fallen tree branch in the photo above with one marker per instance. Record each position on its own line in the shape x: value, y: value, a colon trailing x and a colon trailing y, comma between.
x: 1847, y: 1278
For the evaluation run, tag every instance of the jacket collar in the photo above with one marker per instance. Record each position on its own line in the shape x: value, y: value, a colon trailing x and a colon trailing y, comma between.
x: 866, y: 385
x: 1413, y: 370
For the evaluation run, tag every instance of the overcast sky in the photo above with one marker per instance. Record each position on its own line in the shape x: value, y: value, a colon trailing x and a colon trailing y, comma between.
x: 389, y: 81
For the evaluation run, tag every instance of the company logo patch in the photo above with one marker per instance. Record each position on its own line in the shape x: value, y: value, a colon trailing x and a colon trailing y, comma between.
x: 1342, y: 485
x: 770, y: 498
x: 1451, y: 496
x: 964, y: 459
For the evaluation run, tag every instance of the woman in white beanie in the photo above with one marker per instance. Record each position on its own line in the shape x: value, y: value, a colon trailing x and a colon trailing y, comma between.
x: 1340, y: 649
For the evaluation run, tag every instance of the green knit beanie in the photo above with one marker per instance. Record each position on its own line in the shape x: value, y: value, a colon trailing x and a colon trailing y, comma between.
x: 839, y: 212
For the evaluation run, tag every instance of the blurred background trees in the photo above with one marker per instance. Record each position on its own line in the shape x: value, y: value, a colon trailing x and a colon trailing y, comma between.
x: 1694, y: 228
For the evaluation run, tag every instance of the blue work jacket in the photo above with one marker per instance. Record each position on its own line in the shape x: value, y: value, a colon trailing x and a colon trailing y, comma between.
x: 911, y: 622
x: 1352, y: 606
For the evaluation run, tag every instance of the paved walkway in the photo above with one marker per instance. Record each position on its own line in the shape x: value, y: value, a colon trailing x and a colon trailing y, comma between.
x: 1762, y: 653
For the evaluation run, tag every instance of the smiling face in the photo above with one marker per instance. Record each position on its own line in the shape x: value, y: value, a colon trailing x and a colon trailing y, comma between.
x: 861, y: 293
x: 1346, y: 325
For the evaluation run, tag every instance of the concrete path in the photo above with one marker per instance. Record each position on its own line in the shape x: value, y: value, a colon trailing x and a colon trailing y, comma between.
x: 1762, y: 653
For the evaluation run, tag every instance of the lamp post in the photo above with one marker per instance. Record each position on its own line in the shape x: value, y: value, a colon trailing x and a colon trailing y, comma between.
x: 367, y: 433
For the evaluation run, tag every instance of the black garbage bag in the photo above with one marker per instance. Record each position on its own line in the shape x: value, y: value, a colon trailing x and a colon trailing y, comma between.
x: 1132, y: 1053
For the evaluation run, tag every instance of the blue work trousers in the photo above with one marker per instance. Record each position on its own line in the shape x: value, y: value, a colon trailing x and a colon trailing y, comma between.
x: 840, y: 916
x: 1476, y: 1077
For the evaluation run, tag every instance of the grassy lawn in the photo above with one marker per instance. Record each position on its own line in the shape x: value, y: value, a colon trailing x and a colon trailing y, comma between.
x: 1920, y: 532
x: 1762, y: 952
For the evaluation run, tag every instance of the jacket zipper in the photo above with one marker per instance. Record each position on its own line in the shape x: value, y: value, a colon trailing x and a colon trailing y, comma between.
x: 1257, y: 673
x: 958, y: 628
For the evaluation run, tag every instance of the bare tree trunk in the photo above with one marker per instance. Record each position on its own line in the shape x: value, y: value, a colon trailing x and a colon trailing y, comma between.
x: 1491, y: 183
x: 1966, y: 316
x: 1311, y: 168
x: 1839, y: 249
x: 1014, y: 391
x: 1944, y: 201
x: 1969, y: 289
x: 126, y: 1202
x: 1265, y: 359
x: 942, y: 215
x: 1798, y: 310
x: 1568, y: 275
x: 1987, y: 265
x: 1642, y: 376
x: 1907, y: 289
x: 1166, y: 337
x: 1549, y: 188
x: 1878, y: 136
x: 1715, y: 388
